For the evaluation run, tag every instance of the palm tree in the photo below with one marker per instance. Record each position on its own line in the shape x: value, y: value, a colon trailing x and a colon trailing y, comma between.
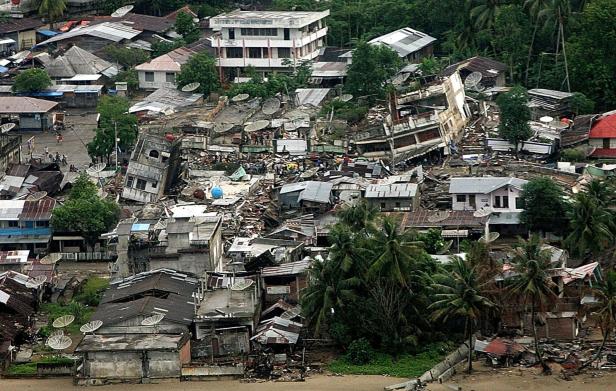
x: 532, y: 282
x: 394, y: 252
x: 52, y: 9
x: 605, y: 309
x: 485, y: 13
x: 534, y: 7
x: 359, y: 216
x: 601, y: 191
x: 460, y: 295
x: 592, y: 226
x: 325, y: 292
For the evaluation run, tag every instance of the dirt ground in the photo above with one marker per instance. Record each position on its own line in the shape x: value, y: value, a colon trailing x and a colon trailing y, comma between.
x: 314, y: 383
x: 510, y: 379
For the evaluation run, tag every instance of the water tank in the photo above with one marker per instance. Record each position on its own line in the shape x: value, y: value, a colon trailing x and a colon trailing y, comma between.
x: 216, y: 192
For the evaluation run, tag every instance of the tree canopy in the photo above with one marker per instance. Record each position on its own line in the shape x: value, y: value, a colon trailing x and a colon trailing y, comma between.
x: 201, y: 68
x: 186, y: 27
x: 372, y: 66
x: 544, y: 206
x: 85, y: 212
x: 31, y: 80
x: 514, y: 116
x: 113, y: 112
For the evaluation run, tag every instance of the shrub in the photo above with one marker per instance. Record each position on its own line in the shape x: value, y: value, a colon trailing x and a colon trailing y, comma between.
x: 359, y: 352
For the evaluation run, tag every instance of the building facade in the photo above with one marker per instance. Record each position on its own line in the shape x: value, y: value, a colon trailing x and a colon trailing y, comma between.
x: 269, y: 41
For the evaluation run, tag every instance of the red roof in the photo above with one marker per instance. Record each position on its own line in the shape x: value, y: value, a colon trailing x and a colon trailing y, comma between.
x: 38, y: 210
x: 604, y: 152
x: 604, y: 128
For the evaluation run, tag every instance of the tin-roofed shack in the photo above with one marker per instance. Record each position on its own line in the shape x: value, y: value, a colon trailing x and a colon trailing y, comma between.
x: 285, y: 281
x: 32, y: 113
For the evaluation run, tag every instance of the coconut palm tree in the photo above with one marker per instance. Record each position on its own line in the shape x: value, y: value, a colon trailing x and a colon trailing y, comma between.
x: 52, y: 9
x: 485, y: 13
x: 602, y: 192
x: 359, y: 216
x: 394, y: 252
x: 532, y: 282
x: 592, y: 226
x: 326, y: 291
x: 460, y: 295
x: 534, y: 7
x: 605, y: 309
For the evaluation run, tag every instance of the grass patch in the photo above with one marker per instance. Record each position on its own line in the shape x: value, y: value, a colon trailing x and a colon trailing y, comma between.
x: 91, y: 292
x: 54, y: 310
x: 29, y: 369
x: 407, y: 365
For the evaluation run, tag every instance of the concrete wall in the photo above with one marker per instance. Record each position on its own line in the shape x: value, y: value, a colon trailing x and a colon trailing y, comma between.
x: 393, y: 204
x: 160, y: 80
x: 482, y: 200
x: 26, y: 39
x: 598, y: 142
x: 133, y: 325
x: 216, y: 250
x: 125, y: 365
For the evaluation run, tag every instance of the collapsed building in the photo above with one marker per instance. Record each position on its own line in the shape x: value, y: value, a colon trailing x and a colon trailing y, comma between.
x: 419, y: 122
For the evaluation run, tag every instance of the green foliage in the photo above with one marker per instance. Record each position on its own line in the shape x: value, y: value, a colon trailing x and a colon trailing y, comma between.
x: 580, y: 104
x: 52, y: 9
x: 514, y: 116
x: 54, y: 310
x: 113, y: 113
x: 29, y: 369
x: 408, y: 366
x: 348, y: 111
x: 200, y: 68
x: 163, y: 47
x: 186, y: 27
x: 126, y: 57
x: 511, y: 38
x: 536, y: 194
x: 432, y: 240
x: 372, y: 66
x: 85, y: 212
x: 130, y: 77
x: 573, y: 155
x: 359, y: 352
x: 92, y: 291
x: 280, y: 83
x: 31, y: 80
x: 107, y: 7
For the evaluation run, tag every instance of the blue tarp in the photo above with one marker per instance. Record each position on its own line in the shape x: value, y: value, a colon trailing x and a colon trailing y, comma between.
x: 25, y: 231
x: 4, y: 69
x: 47, y: 33
x: 140, y: 227
x: 46, y: 94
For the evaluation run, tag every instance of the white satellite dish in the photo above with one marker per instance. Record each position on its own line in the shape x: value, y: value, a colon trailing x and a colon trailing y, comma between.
x: 240, y: 98
x: 7, y: 127
x: 439, y: 216
x: 36, y: 282
x: 50, y: 259
x: 191, y: 87
x: 257, y: 125
x: 270, y: 106
x: 56, y: 333
x: 223, y: 128
x: 546, y: 119
x: 491, y: 237
x: 122, y: 11
x: 37, y: 196
x: 59, y: 342
x: 473, y: 81
x: 482, y: 212
x: 152, y: 320
x: 91, y: 327
x: 241, y: 285
x: 63, y: 321
x: 95, y: 169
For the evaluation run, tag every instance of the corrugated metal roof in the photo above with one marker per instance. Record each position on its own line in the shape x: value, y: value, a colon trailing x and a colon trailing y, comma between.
x: 111, y: 31
x: 19, y: 104
x: 311, y: 96
x: 11, y: 209
x: 395, y: 190
x: 482, y: 185
x: 317, y: 192
x: 285, y: 269
x: 40, y: 210
x: 404, y: 41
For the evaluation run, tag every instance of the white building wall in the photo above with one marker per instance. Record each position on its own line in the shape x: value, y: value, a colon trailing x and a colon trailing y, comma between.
x: 598, y: 142
x: 487, y: 200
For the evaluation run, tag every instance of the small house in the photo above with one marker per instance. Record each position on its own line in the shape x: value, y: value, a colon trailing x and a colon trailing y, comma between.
x: 602, y: 136
x: 163, y: 70
x: 19, y: 33
x: 393, y: 197
x: 33, y: 114
x: 285, y: 281
x: 492, y: 71
x: 306, y: 195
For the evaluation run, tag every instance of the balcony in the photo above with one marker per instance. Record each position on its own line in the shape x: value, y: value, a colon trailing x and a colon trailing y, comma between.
x: 274, y: 42
x: 261, y: 62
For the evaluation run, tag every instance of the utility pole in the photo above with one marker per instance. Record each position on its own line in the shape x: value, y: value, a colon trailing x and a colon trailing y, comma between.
x: 115, y: 138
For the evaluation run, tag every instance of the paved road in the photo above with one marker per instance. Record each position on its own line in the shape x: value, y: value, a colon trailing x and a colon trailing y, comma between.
x: 80, y: 130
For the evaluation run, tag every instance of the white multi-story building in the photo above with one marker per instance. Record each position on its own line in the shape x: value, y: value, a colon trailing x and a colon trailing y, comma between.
x: 269, y: 41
